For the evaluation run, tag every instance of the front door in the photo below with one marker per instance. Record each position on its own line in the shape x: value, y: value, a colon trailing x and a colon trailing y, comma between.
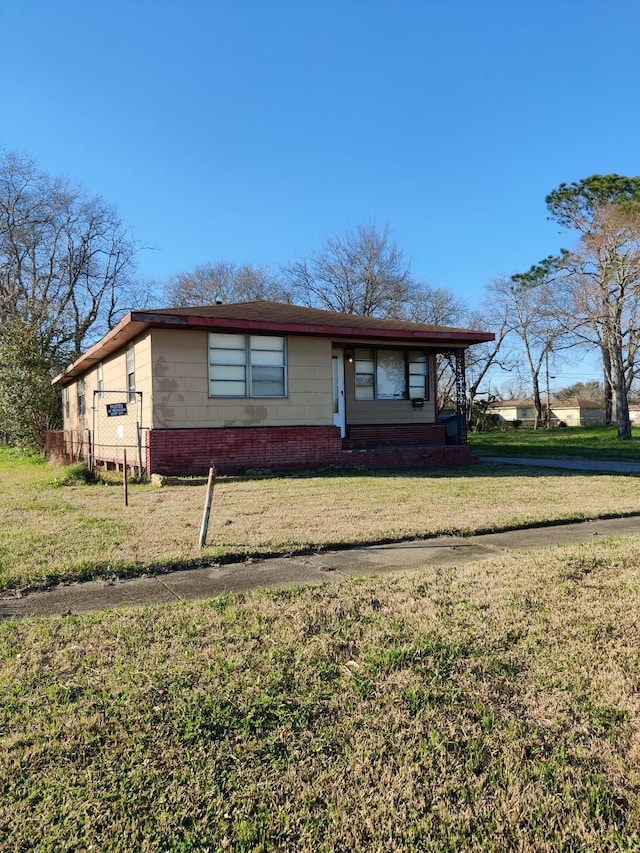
x: 337, y: 363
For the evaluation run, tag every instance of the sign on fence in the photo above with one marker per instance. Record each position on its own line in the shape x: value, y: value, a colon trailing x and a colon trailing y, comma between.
x: 115, y: 410
x: 117, y: 429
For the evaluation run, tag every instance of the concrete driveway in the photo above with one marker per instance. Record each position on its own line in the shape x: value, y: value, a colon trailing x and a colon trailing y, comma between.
x: 570, y: 464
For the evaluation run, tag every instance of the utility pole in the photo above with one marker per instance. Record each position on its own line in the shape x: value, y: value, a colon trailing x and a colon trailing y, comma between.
x: 546, y: 359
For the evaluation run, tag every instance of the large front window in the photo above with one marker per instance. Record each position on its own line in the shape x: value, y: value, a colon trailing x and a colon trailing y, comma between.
x: 247, y: 365
x: 391, y: 374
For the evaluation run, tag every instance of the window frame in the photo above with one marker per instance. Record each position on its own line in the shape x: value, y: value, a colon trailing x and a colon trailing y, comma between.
x: 131, y: 373
x: 81, y: 397
x: 100, y: 380
x: 250, y: 360
x: 369, y: 374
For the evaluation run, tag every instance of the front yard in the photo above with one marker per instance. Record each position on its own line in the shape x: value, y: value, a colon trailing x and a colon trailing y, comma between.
x: 57, y: 530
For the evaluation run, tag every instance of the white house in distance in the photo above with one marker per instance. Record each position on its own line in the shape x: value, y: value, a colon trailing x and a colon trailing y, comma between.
x: 570, y: 411
x: 264, y: 385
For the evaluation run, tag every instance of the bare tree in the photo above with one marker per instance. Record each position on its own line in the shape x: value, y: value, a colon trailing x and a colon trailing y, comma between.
x: 526, y: 306
x: 361, y: 272
x: 65, y: 268
x: 496, y: 317
x: 222, y: 281
x: 438, y: 306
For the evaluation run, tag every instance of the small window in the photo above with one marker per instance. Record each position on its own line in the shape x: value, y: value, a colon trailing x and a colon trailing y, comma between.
x: 365, y: 374
x: 100, y: 381
x: 82, y: 408
x: 418, y: 375
x: 131, y: 373
x: 67, y: 404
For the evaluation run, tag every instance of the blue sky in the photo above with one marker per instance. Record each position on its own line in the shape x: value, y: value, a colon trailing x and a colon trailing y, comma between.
x: 251, y: 130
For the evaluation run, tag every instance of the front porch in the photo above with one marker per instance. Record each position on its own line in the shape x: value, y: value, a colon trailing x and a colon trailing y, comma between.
x: 366, y: 436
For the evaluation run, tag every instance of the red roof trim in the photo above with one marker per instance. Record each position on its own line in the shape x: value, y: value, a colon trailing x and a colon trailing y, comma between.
x: 138, y: 322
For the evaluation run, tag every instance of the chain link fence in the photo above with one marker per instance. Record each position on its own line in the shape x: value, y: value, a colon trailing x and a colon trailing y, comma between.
x: 117, y: 433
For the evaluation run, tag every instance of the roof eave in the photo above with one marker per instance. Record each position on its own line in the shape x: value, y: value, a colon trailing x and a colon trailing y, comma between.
x: 137, y: 322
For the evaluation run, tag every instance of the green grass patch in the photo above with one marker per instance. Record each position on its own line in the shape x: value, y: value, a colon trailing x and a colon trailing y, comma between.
x: 573, y: 442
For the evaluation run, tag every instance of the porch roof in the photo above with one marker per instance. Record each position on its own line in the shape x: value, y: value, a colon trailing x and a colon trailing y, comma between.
x: 274, y: 318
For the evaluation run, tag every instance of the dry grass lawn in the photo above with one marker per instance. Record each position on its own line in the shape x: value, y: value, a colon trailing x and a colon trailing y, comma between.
x: 488, y: 707
x: 55, y: 529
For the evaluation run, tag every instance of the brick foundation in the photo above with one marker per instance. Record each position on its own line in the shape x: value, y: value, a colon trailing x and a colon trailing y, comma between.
x: 361, y: 436
x: 234, y: 450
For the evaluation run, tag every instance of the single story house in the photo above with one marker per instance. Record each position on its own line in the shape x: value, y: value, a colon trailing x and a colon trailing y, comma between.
x: 570, y: 411
x: 513, y: 410
x: 577, y: 412
x: 264, y: 385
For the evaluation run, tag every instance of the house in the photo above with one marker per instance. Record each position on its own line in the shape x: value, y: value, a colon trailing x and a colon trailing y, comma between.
x: 263, y: 385
x: 513, y: 410
x: 577, y: 412
x: 570, y: 411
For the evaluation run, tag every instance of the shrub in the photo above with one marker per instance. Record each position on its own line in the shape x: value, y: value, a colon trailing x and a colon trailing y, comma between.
x: 77, y: 473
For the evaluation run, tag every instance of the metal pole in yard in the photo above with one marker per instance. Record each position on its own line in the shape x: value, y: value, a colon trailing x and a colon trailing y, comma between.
x: 125, y: 478
x: 207, y: 506
x: 92, y: 455
x: 139, y: 448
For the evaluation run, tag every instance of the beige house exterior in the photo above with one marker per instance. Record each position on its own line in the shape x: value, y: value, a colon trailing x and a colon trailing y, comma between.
x: 261, y: 384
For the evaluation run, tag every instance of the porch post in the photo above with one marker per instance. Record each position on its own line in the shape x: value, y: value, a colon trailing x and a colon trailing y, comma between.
x: 461, y: 396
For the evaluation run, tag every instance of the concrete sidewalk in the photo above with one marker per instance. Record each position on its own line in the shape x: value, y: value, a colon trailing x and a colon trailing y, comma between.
x: 607, y: 466
x: 311, y: 569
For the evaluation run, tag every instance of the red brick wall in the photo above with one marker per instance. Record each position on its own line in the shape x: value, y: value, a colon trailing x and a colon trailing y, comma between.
x: 379, y: 435
x: 193, y: 451
x: 234, y: 450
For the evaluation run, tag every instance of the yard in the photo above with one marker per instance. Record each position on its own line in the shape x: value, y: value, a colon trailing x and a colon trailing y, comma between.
x: 57, y: 528
x: 596, y: 442
x: 489, y: 707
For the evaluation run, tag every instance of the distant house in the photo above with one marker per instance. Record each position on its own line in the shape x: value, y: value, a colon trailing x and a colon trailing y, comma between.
x: 634, y: 414
x: 264, y: 385
x: 570, y: 411
x: 577, y: 412
x: 513, y: 410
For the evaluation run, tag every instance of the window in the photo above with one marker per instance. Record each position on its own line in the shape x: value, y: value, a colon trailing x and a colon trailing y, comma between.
x: 100, y: 381
x: 81, y: 397
x: 131, y: 373
x: 418, y: 371
x: 247, y: 365
x: 67, y: 404
x: 391, y: 375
